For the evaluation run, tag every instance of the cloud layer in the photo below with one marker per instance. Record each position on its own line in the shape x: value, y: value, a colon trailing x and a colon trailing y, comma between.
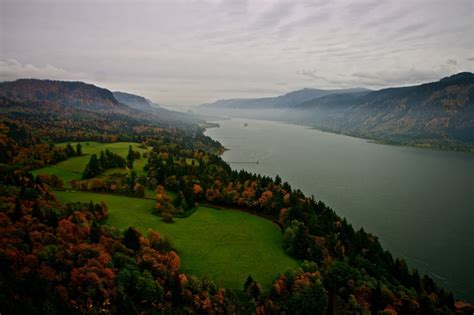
x: 194, y: 51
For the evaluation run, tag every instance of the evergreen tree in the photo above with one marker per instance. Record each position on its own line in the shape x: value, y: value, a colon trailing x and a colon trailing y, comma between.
x: 36, y: 211
x: 92, y: 168
x: 278, y: 180
x: 377, y: 302
x: 17, y: 212
x: 301, y: 243
x: 248, y: 282
x: 70, y: 150
x: 130, y: 157
x: 189, y: 198
x: 78, y: 149
x: 94, y: 234
x: 254, y: 290
x: 311, y: 300
x: 131, y: 180
x: 416, y: 282
x: 131, y: 238
x: 52, y: 219
x: 103, y: 161
x: 178, y: 200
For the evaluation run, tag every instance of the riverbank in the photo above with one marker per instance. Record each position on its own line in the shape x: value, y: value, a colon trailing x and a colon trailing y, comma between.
x: 432, y: 144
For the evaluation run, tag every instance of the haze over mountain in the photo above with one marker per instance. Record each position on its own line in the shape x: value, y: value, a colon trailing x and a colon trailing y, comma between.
x: 287, y: 100
x: 85, y: 100
x: 132, y: 100
x: 434, y: 114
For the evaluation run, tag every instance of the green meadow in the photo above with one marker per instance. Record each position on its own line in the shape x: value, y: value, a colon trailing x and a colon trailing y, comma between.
x: 223, y: 245
x: 72, y: 168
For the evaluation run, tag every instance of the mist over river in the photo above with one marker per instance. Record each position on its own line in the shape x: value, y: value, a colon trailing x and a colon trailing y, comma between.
x: 419, y: 202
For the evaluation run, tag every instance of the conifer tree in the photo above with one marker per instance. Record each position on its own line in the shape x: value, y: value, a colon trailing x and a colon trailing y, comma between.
x: 78, y: 149
x: 130, y: 157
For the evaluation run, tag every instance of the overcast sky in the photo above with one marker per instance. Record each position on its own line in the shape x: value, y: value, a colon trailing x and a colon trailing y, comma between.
x: 190, y: 52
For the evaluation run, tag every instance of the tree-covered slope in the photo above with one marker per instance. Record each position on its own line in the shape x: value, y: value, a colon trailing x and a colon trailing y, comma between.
x: 438, y: 111
x: 82, y: 101
x: 75, y: 94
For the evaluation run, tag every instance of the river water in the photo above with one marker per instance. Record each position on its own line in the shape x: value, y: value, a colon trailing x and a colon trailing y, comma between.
x: 419, y: 202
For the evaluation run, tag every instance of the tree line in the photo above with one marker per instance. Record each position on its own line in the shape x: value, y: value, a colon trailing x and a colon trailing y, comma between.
x: 106, y: 160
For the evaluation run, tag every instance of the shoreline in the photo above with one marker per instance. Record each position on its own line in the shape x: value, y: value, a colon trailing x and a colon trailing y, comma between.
x: 461, y: 290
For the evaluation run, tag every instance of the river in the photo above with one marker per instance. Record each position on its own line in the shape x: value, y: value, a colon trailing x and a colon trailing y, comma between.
x: 419, y: 202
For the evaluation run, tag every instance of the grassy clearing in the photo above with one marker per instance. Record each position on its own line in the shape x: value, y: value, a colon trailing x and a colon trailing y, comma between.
x: 72, y: 168
x: 224, y: 245
x: 65, y: 175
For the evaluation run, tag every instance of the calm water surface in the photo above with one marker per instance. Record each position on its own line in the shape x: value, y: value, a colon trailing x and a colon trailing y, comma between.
x: 419, y: 202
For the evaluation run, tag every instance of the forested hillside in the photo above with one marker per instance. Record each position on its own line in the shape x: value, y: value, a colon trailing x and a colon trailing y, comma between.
x: 438, y: 114
x: 65, y: 99
x: 75, y: 94
x: 65, y: 258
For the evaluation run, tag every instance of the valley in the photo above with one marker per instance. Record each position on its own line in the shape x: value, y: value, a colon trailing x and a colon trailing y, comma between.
x: 117, y: 201
x: 236, y: 157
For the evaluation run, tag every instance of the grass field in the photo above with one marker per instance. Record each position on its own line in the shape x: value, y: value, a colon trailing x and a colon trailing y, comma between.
x: 224, y: 245
x: 72, y: 168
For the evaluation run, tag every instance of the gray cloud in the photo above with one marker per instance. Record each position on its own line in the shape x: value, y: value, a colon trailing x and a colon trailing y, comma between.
x: 311, y: 75
x: 11, y: 69
x: 272, y: 16
x: 193, y: 51
x: 362, y: 8
x: 451, y: 62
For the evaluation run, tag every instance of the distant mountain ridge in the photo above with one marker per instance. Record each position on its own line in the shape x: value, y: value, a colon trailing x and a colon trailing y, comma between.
x: 436, y: 114
x: 442, y: 110
x: 282, y: 101
x: 79, y: 98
